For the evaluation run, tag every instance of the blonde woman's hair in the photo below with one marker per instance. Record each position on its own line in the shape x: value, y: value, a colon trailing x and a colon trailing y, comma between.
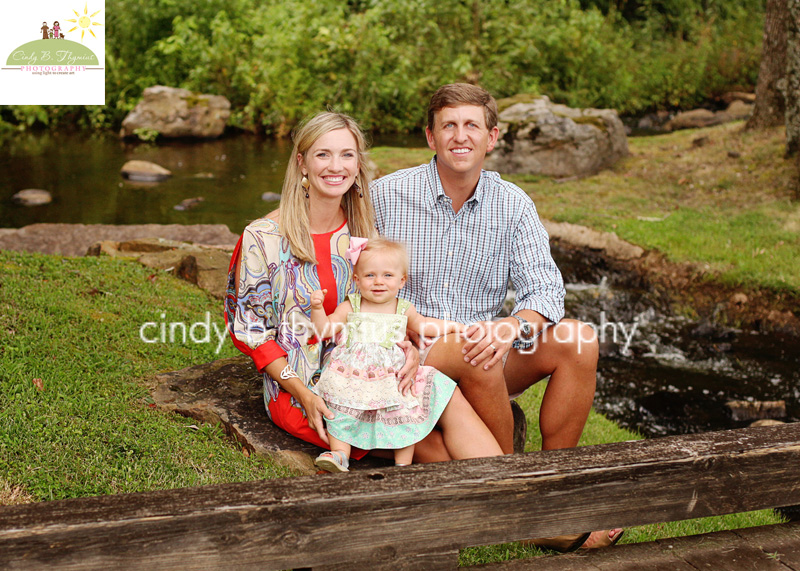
x: 381, y: 244
x: 294, y: 224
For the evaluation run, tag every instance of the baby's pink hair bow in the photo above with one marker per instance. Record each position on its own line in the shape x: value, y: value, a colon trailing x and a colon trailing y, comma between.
x: 354, y: 251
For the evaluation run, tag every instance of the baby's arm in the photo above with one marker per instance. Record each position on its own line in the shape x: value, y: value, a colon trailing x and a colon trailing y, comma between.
x: 430, y: 326
x: 326, y: 326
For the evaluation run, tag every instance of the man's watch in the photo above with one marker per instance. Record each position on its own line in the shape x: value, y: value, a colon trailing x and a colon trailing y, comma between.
x: 527, y: 336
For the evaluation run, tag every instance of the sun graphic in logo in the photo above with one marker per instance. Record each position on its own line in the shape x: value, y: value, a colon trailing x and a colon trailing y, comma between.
x: 85, y: 21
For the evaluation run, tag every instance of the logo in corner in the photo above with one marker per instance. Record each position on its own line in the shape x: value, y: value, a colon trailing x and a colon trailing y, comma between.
x: 67, y: 48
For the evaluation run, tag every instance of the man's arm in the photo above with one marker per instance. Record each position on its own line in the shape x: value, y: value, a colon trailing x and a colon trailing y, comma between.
x: 539, y: 294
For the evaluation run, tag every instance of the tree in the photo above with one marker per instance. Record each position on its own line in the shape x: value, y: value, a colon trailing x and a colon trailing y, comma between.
x: 769, y: 109
x: 792, y: 91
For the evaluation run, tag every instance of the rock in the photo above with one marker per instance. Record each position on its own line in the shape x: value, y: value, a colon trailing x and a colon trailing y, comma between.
x: 229, y: 392
x: 700, y: 142
x: 204, y: 266
x: 732, y: 96
x: 699, y: 118
x: 271, y: 197
x: 189, y: 203
x: 32, y: 197
x: 75, y: 239
x: 694, y: 119
x: 766, y: 422
x: 540, y: 137
x: 739, y: 110
x: 144, y: 171
x: 746, y: 410
x: 739, y: 299
x: 174, y: 112
x: 734, y: 154
x: 582, y: 236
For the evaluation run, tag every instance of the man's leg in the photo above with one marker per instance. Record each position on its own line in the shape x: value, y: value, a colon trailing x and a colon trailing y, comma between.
x: 567, y: 352
x: 484, y: 390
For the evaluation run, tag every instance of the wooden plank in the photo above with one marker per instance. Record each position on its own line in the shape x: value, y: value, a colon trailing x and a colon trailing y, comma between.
x: 361, y: 516
x: 764, y: 547
x: 780, y: 541
x: 398, y: 562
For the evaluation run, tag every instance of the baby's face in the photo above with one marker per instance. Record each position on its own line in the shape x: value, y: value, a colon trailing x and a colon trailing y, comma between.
x: 379, y: 276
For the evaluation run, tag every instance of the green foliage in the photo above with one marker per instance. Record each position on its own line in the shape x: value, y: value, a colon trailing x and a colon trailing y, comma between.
x: 146, y: 134
x: 380, y: 60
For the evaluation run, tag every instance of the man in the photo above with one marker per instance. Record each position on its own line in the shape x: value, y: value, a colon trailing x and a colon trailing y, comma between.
x: 468, y: 233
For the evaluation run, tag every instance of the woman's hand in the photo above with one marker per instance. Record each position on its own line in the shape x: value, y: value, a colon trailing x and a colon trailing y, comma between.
x: 408, y: 373
x: 316, y: 412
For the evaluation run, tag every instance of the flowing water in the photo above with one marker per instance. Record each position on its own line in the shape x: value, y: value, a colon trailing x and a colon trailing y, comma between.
x: 658, y: 373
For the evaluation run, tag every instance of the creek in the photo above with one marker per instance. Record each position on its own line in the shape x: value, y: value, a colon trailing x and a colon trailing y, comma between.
x: 659, y: 373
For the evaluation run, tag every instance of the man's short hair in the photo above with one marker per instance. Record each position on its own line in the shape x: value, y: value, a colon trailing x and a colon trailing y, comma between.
x: 455, y: 94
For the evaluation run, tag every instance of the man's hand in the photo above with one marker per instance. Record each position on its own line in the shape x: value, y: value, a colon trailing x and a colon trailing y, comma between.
x: 408, y: 373
x: 316, y: 410
x: 317, y: 298
x: 487, y: 341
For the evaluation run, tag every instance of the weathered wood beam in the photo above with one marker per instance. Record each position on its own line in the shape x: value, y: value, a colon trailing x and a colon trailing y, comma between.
x: 391, y: 514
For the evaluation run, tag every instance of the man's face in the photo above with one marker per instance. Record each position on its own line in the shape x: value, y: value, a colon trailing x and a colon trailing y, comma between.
x: 461, y: 139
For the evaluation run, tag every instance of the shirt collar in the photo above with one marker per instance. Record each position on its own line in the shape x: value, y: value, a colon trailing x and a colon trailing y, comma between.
x: 437, y: 190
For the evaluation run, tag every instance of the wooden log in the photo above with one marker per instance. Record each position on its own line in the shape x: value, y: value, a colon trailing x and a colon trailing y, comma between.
x: 395, y: 514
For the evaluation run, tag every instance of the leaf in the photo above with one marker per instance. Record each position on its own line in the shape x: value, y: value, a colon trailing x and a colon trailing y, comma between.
x: 38, y: 384
x: 152, y: 277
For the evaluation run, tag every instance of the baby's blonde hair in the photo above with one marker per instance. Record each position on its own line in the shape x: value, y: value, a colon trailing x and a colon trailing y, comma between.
x: 381, y: 244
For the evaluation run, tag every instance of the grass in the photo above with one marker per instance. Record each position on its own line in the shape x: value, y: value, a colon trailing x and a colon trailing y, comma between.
x: 738, y: 215
x: 76, y: 418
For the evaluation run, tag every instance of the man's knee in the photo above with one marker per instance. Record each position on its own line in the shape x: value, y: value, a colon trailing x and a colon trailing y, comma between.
x: 574, y: 339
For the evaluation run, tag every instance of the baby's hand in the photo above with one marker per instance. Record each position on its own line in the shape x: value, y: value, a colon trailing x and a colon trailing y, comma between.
x: 317, y: 298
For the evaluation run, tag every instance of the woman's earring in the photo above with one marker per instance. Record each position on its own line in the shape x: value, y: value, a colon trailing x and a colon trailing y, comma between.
x: 358, y: 189
x: 305, y: 184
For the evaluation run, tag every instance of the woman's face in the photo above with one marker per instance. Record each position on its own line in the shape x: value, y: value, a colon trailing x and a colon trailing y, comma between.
x: 331, y: 164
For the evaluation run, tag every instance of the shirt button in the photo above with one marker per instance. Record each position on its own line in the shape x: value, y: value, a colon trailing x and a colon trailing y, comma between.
x: 445, y: 286
x: 450, y: 253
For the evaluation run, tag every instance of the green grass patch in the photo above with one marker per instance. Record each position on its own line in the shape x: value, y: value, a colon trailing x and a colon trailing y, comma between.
x: 76, y: 418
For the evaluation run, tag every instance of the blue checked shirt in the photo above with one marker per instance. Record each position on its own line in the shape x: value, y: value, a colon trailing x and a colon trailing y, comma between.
x: 461, y: 262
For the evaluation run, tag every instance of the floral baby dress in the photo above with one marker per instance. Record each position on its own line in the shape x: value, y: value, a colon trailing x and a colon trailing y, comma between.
x: 359, y: 384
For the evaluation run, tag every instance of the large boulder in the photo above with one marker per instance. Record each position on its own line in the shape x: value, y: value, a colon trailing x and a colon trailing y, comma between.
x: 541, y: 137
x: 174, y: 112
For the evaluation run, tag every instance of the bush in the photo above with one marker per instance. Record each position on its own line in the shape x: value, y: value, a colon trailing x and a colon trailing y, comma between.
x: 381, y: 59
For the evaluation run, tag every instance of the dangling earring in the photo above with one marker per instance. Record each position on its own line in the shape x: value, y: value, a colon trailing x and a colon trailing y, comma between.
x: 357, y: 189
x: 305, y: 184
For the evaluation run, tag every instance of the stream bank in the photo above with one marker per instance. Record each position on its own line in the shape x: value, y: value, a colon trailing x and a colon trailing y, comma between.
x: 677, y: 347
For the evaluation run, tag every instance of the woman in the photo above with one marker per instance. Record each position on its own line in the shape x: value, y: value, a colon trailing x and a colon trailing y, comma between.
x: 284, y: 257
